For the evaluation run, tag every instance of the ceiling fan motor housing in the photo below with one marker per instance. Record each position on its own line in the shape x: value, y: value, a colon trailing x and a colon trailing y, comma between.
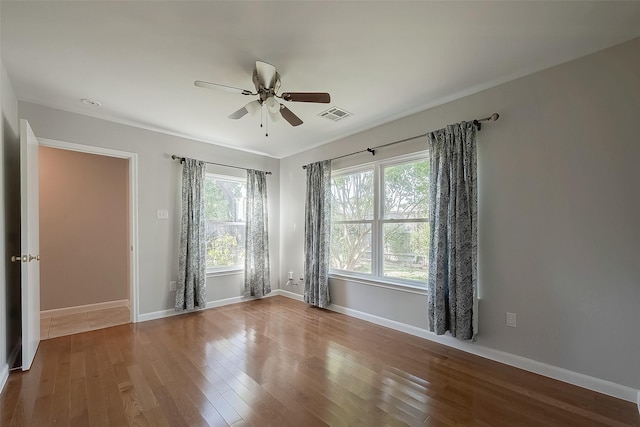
x: 266, y: 89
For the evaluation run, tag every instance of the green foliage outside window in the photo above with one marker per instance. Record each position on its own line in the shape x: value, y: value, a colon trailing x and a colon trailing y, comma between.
x: 404, y: 243
x: 225, y: 221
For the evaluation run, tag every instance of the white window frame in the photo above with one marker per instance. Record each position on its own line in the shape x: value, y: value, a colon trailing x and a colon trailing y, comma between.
x: 377, y: 223
x: 221, y: 271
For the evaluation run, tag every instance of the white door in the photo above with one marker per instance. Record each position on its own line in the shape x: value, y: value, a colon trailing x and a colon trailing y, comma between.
x: 30, y: 244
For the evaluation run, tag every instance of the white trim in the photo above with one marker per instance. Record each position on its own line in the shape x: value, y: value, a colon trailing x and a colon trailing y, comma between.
x: 379, y: 283
x: 575, y: 378
x: 134, y: 280
x: 133, y: 208
x: 91, y: 149
x: 226, y: 301
x: 4, y: 376
x: 83, y: 308
x: 211, y: 304
x: 145, y: 317
x: 218, y: 273
x: 290, y: 294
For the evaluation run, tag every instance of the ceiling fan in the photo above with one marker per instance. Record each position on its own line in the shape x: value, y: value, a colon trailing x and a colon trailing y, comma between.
x: 267, y: 83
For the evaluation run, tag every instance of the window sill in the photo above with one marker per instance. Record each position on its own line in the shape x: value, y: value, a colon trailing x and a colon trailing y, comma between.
x: 216, y: 273
x: 380, y: 283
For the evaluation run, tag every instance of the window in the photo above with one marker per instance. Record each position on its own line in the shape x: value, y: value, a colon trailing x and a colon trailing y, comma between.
x: 224, y: 222
x: 380, y: 221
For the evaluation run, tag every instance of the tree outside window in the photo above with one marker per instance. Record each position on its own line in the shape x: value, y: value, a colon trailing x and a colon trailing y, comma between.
x: 225, y: 198
x: 385, y: 236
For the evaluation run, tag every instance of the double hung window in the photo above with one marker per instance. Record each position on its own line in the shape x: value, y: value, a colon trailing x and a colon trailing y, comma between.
x: 380, y: 221
x: 225, y: 198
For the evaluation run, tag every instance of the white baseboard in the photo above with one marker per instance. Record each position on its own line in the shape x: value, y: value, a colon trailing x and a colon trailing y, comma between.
x: 4, y: 376
x: 211, y: 304
x: 145, y: 317
x: 291, y: 295
x: 84, y: 308
x: 575, y: 378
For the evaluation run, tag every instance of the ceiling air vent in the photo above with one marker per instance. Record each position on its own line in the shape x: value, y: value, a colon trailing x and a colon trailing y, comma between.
x: 335, y: 114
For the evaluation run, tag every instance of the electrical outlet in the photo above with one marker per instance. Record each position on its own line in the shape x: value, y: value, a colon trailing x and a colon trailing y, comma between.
x: 172, y: 286
x: 511, y: 319
x: 163, y: 214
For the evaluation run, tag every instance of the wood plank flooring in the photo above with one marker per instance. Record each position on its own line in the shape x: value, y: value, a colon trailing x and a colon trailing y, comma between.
x: 69, y: 324
x: 280, y: 362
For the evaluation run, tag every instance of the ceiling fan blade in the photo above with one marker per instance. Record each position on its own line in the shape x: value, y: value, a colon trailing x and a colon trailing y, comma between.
x: 240, y: 113
x: 266, y: 74
x: 232, y: 89
x: 321, y: 97
x: 253, y: 107
x: 289, y: 116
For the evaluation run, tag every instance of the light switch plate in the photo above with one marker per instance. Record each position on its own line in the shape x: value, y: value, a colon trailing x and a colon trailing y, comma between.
x: 511, y: 319
x: 163, y: 214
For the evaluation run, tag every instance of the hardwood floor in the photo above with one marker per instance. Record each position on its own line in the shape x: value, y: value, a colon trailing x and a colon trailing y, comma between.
x: 280, y: 362
x: 69, y: 324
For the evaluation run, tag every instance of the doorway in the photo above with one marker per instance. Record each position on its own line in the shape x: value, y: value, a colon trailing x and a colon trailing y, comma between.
x: 88, y: 236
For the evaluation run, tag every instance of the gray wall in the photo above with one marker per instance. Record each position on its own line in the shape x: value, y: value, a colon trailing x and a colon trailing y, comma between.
x: 159, y: 180
x: 559, y: 205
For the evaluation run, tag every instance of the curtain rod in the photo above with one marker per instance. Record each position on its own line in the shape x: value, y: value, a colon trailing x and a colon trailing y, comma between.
x: 476, y: 122
x: 174, y: 157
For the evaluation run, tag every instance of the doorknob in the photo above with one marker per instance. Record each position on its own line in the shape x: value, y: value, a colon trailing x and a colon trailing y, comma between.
x: 31, y: 258
x: 19, y: 258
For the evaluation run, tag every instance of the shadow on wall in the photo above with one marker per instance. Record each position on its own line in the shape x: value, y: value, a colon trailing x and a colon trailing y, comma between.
x: 11, y: 205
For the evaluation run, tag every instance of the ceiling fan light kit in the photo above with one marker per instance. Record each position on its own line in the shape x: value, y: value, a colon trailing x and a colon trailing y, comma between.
x: 267, y: 83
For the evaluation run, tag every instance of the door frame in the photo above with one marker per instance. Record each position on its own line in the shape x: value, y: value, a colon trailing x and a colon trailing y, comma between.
x: 133, y: 207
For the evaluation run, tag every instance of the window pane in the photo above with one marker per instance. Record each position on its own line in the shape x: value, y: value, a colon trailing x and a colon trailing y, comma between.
x: 351, y: 247
x: 225, y: 244
x: 224, y: 199
x: 225, y: 221
x: 406, y: 190
x: 406, y: 249
x: 352, y: 197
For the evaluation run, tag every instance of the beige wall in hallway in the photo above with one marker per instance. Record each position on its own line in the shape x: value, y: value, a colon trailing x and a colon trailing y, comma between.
x: 83, y: 229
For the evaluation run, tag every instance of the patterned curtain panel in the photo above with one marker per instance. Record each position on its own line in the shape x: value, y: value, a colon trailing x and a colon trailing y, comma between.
x: 453, y: 270
x: 191, y: 290
x: 317, y: 230
x: 256, y: 262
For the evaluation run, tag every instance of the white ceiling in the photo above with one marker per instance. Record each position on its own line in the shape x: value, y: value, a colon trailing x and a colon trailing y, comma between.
x: 378, y: 60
